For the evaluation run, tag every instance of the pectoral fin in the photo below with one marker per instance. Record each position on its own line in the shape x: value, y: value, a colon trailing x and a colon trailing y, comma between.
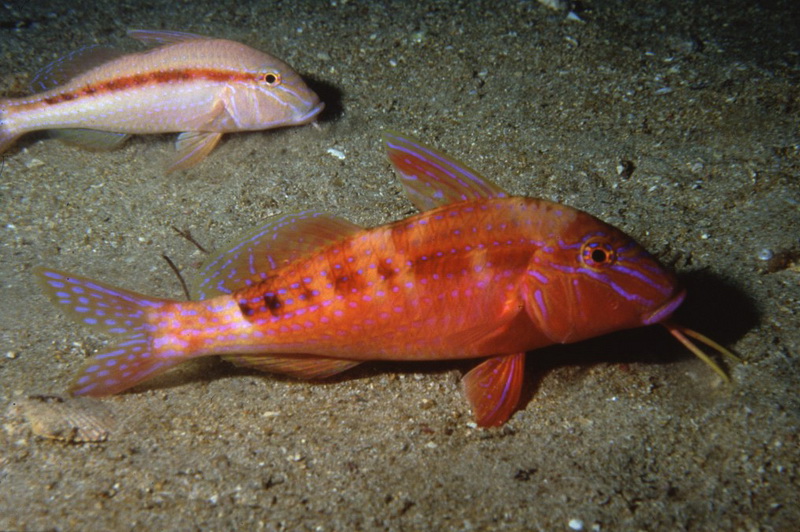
x: 193, y: 147
x: 493, y: 388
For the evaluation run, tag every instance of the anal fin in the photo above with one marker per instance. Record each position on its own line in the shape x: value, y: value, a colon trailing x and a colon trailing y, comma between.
x: 90, y: 139
x: 306, y: 367
x: 493, y: 388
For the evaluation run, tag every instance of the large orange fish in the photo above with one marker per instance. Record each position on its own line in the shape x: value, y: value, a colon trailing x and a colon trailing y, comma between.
x: 476, y: 274
x: 195, y: 85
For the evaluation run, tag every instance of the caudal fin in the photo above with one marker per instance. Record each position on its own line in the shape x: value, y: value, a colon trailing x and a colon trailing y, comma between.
x: 117, y: 312
x: 7, y: 137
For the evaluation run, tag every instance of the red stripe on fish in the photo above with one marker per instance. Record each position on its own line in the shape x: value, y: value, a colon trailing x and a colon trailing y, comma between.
x: 196, y: 86
x: 140, y: 80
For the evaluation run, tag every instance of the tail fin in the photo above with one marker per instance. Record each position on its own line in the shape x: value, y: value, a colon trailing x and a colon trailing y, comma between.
x: 7, y: 137
x: 116, y: 312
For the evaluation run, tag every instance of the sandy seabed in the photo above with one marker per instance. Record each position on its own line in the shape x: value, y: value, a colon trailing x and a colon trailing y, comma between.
x: 627, y: 432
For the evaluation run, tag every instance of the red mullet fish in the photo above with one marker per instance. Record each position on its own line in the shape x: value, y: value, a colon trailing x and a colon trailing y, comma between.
x: 197, y: 86
x: 476, y: 274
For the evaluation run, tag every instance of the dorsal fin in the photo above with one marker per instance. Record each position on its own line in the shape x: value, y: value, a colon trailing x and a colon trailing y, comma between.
x: 251, y: 257
x: 159, y: 37
x: 76, y: 62
x: 431, y: 178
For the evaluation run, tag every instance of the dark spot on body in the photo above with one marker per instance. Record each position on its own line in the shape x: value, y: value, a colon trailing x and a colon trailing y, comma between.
x: 245, y: 309
x: 307, y: 294
x: 349, y: 284
x: 341, y: 282
x: 385, y: 271
x: 273, y: 303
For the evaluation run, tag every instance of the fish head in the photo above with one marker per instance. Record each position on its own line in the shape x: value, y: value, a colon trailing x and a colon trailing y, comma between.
x: 592, y: 279
x: 274, y: 96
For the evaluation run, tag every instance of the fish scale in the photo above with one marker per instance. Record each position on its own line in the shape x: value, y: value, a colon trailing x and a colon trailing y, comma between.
x: 199, y: 86
x: 379, y: 290
x: 477, y: 274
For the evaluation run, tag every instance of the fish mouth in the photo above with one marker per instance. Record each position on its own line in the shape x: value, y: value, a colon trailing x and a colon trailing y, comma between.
x: 665, y: 311
x: 311, y: 114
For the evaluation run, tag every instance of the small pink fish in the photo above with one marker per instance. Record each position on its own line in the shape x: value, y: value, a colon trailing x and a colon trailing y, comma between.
x: 477, y: 274
x: 195, y: 85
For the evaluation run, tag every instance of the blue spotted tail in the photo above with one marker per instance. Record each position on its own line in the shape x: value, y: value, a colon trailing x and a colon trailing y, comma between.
x: 116, y: 312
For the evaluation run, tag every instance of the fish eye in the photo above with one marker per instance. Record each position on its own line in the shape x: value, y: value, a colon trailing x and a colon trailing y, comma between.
x: 272, y: 79
x: 597, y: 253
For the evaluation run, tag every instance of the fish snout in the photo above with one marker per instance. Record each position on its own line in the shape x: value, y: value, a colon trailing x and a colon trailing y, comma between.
x: 665, y: 311
x: 304, y: 116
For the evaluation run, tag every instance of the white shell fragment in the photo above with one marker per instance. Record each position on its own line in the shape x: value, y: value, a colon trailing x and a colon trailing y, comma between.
x: 73, y: 420
x: 576, y: 524
x: 339, y: 154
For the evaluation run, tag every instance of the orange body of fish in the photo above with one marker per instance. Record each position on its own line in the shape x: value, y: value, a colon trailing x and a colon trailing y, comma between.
x: 197, y: 86
x: 477, y: 274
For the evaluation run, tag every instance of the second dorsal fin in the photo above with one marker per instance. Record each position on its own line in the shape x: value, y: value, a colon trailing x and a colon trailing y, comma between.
x: 160, y: 37
x: 74, y: 63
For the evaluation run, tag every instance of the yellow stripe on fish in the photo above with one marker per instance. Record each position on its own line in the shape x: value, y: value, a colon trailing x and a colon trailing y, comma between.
x: 198, y: 86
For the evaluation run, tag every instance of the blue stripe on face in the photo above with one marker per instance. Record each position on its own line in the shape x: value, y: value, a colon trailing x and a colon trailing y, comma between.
x: 603, y: 278
x: 664, y: 289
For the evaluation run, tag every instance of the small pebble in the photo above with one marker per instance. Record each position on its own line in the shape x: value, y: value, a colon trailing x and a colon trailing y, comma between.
x: 560, y: 5
x: 697, y: 167
x: 574, y: 17
x: 765, y: 254
x: 576, y: 524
